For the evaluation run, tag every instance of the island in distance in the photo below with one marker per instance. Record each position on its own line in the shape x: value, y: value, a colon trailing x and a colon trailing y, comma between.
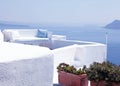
x: 114, y: 25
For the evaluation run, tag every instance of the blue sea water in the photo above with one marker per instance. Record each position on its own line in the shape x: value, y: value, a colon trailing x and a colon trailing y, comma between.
x: 95, y: 34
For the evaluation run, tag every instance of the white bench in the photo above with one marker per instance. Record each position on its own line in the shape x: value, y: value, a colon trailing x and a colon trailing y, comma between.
x: 1, y: 37
x: 26, y: 36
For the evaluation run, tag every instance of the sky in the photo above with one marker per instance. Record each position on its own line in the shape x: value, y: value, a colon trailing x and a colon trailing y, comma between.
x: 60, y: 12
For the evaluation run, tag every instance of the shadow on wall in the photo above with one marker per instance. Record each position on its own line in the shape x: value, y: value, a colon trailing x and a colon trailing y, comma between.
x: 64, y: 43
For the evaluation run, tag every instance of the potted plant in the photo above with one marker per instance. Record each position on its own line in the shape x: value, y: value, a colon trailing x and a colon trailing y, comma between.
x: 103, y: 74
x: 70, y: 76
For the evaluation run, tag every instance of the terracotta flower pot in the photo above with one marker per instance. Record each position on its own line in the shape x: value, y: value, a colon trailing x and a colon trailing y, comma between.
x: 115, y: 84
x: 99, y: 83
x: 103, y: 83
x: 68, y: 79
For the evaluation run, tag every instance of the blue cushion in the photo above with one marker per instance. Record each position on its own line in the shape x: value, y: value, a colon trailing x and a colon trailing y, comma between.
x: 42, y: 33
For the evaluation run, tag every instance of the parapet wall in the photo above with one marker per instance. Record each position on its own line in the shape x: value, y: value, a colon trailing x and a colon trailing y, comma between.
x: 79, y: 55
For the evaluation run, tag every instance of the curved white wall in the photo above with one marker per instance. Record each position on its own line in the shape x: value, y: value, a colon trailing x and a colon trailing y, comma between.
x: 79, y: 55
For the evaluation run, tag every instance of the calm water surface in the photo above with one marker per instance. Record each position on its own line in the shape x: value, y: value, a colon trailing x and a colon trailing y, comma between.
x: 95, y: 34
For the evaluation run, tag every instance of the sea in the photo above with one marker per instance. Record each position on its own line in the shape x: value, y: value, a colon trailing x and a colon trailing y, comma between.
x: 111, y: 37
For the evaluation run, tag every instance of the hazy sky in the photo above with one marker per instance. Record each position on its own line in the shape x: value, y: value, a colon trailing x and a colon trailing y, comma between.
x: 61, y: 12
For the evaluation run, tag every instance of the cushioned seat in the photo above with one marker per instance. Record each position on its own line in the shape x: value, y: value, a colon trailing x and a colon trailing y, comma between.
x: 13, y: 35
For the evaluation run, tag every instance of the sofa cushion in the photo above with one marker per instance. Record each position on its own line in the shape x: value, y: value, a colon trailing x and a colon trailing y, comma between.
x: 15, y: 34
x: 10, y: 35
x: 42, y: 33
x: 30, y: 39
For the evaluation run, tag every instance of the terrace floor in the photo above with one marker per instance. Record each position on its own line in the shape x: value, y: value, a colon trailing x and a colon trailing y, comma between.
x: 56, y: 85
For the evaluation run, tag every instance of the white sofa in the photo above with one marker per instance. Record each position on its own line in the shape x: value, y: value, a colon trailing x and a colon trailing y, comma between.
x: 25, y: 65
x: 26, y: 36
x: 1, y: 37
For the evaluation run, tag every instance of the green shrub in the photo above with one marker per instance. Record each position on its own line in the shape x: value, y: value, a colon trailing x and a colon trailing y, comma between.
x: 71, y: 69
x: 103, y: 71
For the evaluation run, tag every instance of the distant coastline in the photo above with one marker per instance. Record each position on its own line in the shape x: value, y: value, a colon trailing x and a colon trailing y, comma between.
x: 18, y: 25
x: 13, y: 25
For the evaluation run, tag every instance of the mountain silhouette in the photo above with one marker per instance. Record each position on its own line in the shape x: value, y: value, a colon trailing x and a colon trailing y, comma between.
x: 114, y: 25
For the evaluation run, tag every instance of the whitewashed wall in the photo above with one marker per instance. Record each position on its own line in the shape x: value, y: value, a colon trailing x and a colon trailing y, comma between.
x: 79, y: 55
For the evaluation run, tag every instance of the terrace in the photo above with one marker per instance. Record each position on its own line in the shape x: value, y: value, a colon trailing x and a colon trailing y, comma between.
x: 77, y: 53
